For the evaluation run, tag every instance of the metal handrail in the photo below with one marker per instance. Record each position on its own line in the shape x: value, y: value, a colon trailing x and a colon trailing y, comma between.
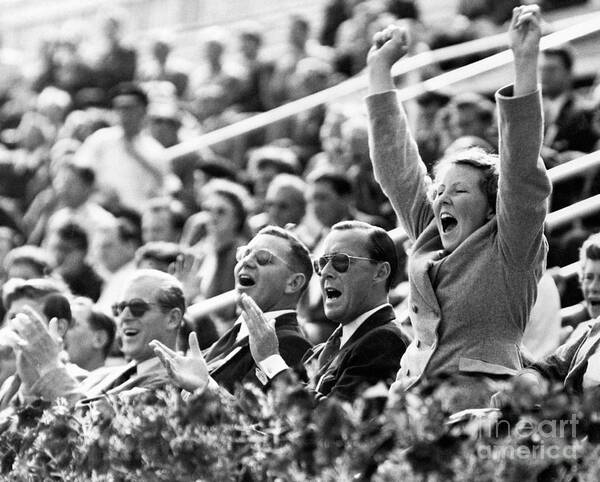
x: 577, y: 210
x: 573, y: 168
x: 580, y: 26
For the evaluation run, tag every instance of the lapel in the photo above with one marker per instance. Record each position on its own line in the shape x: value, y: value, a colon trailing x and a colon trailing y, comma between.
x: 377, y: 319
x: 156, y: 368
x: 425, y: 255
x: 107, y: 382
x: 587, y: 348
x: 223, y: 344
x: 284, y: 322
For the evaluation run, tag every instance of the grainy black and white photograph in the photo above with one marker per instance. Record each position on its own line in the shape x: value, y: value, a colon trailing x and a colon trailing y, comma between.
x: 299, y: 241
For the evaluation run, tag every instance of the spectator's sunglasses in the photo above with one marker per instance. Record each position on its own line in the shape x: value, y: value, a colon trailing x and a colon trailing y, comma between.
x: 262, y: 256
x: 137, y: 307
x: 339, y: 261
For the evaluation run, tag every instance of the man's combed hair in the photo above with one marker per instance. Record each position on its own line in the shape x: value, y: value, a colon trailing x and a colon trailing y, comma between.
x: 590, y: 249
x: 300, y: 255
x: 170, y: 294
x: 338, y: 180
x: 477, y: 158
x: 564, y: 52
x: 38, y: 289
x: 380, y: 245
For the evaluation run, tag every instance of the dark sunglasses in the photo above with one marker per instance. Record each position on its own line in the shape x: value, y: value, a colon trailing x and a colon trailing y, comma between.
x: 137, y: 307
x: 262, y: 256
x: 339, y: 261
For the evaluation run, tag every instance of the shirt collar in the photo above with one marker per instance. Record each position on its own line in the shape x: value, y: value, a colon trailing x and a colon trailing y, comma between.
x: 147, y: 366
x: 350, y: 328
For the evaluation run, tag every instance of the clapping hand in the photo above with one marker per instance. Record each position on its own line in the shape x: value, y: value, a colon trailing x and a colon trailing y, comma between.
x: 37, y: 345
x: 263, y: 339
x: 190, y: 371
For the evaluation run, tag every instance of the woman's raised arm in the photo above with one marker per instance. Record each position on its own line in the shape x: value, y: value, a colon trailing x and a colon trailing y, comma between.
x: 396, y: 162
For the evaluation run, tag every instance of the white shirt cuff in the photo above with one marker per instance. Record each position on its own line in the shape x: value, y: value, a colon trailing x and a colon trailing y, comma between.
x: 273, y: 365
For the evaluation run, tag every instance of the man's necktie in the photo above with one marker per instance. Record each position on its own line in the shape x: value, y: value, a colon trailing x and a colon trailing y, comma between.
x: 331, y: 349
x: 125, y: 376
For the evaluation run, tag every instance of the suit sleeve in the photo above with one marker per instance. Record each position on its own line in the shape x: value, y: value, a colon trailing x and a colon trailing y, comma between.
x: 376, y: 358
x: 292, y: 348
x: 555, y: 367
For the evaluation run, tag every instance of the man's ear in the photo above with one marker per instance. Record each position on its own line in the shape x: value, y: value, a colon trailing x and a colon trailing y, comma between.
x: 175, y: 317
x: 99, y: 339
x: 295, y: 283
x: 62, y: 326
x: 383, y: 272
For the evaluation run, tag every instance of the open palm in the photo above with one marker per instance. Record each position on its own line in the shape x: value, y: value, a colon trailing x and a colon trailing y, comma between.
x: 190, y: 371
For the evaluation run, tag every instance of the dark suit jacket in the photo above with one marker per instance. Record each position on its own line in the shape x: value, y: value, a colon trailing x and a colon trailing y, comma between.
x: 235, y: 362
x: 372, y: 354
x: 569, y: 362
x: 573, y: 127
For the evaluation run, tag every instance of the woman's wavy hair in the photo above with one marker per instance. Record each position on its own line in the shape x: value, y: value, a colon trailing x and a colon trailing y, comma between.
x: 481, y: 160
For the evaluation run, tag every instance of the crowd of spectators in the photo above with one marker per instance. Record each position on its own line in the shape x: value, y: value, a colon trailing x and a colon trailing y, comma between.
x: 89, y: 192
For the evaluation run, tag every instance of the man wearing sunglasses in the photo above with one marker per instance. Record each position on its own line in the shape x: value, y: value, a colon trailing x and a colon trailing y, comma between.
x: 356, y: 272
x: 151, y: 308
x: 273, y: 270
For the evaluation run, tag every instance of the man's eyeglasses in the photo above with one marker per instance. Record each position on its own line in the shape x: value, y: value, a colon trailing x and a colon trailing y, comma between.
x: 137, y: 307
x: 339, y: 261
x: 262, y: 256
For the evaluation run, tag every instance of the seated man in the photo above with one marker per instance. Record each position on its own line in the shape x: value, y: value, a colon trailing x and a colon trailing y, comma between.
x: 356, y: 272
x: 273, y: 269
x: 88, y: 341
x: 151, y: 308
x: 576, y: 363
x: 46, y: 300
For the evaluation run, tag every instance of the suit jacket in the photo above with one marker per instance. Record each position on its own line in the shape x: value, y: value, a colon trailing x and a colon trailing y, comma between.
x: 572, y: 129
x: 234, y: 363
x: 59, y: 383
x: 372, y: 354
x: 569, y: 362
x: 103, y: 380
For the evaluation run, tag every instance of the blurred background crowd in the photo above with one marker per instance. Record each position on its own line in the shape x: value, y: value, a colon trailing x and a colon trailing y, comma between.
x: 90, y: 189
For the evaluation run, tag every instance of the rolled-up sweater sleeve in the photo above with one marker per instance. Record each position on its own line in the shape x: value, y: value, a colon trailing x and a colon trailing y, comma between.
x: 397, y: 164
x: 524, y: 186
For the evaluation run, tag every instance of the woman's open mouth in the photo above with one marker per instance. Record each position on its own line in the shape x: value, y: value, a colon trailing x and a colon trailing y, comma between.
x: 448, y: 221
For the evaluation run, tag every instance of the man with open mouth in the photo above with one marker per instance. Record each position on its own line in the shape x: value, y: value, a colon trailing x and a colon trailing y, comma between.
x: 273, y: 270
x: 356, y: 272
x: 151, y: 307
x: 576, y: 363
